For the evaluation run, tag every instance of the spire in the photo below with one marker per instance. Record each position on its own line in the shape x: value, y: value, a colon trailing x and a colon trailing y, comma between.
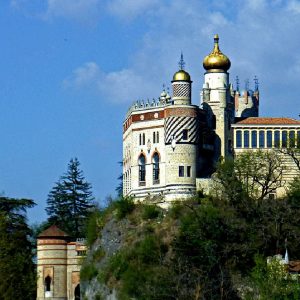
x: 255, y: 83
x: 181, y: 63
x: 237, y: 82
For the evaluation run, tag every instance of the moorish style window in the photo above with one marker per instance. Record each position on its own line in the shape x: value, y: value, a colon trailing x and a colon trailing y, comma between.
x: 284, y: 139
x: 155, y: 161
x: 269, y: 139
x: 277, y: 138
x: 261, y: 139
x: 142, y: 170
x: 254, y: 139
x: 238, y: 139
x: 246, y: 139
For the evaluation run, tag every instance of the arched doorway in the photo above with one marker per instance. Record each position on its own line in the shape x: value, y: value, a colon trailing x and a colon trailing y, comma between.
x: 77, y: 292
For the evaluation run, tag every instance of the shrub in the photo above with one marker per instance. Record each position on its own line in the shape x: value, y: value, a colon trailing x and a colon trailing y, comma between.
x: 150, y: 212
x: 93, y: 227
x: 98, y: 254
x: 88, y: 272
x: 124, y: 207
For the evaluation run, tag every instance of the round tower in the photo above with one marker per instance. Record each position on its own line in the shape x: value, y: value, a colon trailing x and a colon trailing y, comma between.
x: 182, y: 85
x: 181, y: 139
x: 52, y: 264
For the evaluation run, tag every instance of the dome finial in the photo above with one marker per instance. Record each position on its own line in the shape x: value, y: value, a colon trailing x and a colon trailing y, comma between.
x: 181, y: 63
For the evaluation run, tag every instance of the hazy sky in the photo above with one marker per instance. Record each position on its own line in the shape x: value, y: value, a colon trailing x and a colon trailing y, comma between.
x: 69, y: 69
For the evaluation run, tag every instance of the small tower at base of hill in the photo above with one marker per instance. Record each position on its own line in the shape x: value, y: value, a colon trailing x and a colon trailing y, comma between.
x: 58, y: 265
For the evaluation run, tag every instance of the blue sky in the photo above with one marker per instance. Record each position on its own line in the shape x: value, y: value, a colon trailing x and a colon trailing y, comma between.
x: 69, y: 69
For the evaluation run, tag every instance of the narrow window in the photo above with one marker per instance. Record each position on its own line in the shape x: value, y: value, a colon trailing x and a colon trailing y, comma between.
x: 154, y: 137
x: 185, y: 134
x: 142, y: 170
x: 238, y: 137
x: 155, y: 161
x: 261, y: 139
x: 157, y: 137
x: 298, y: 139
x: 188, y: 171
x: 140, y: 140
x: 254, y: 139
x: 277, y: 138
x: 48, y: 283
x: 181, y: 171
x: 284, y: 139
x: 144, y: 139
x: 269, y: 139
x: 292, y: 139
x: 246, y: 139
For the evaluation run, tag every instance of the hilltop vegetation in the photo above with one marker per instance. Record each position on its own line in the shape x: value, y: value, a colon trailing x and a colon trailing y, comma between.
x: 207, y: 247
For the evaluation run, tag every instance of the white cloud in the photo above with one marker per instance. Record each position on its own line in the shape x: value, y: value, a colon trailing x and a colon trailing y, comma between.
x: 119, y: 86
x: 128, y: 9
x: 82, y: 10
x: 294, y: 6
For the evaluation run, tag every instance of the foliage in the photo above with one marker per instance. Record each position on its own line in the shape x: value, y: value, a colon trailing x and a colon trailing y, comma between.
x: 124, y: 206
x: 17, y: 271
x: 70, y: 201
x: 254, y: 174
x: 88, y: 272
x: 270, y: 281
x: 93, y: 226
x: 150, y: 212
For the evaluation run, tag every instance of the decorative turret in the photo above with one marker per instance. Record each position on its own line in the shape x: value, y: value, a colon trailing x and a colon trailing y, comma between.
x: 182, y: 85
x: 216, y: 61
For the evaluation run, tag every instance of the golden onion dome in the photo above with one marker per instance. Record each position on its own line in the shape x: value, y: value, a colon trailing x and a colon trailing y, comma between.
x: 181, y: 75
x: 216, y: 61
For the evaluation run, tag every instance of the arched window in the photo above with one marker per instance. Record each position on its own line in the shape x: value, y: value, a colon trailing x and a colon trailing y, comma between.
x: 48, y: 283
x: 246, y: 139
x: 155, y: 161
x: 142, y: 170
x: 254, y: 139
x: 238, y: 137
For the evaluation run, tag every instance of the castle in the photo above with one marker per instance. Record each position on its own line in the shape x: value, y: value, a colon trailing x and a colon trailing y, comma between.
x: 171, y: 146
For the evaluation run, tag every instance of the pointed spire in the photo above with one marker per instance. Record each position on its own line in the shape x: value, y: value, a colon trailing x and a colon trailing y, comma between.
x: 181, y: 62
x: 255, y: 83
x: 237, y: 82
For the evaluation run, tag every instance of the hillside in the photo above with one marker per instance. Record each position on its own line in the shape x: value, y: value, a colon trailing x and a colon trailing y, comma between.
x: 203, y: 248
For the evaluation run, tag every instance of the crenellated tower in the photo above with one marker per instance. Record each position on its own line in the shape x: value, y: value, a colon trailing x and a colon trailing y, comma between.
x: 217, y: 100
x: 246, y: 102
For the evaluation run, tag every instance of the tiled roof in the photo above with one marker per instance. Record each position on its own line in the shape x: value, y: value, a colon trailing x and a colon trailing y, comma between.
x: 269, y: 121
x: 294, y: 266
x: 53, y: 231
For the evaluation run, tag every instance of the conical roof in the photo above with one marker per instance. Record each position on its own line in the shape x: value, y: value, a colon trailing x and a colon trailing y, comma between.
x: 52, y: 231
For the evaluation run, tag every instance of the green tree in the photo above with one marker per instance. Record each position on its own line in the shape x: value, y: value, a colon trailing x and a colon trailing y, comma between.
x: 70, y: 200
x: 17, y: 271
